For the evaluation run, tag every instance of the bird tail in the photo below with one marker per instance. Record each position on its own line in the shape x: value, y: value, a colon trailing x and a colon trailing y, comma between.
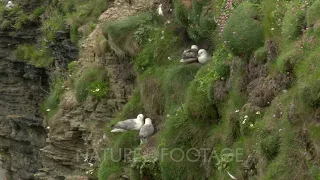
x: 118, y: 130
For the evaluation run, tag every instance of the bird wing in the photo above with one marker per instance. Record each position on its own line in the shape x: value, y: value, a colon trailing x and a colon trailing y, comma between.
x: 146, y: 131
x: 189, y: 60
x: 126, y: 124
x: 189, y: 55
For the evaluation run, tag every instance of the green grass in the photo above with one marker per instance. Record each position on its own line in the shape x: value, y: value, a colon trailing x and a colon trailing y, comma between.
x: 161, y: 49
x: 198, y: 20
x: 52, y: 101
x: 176, y: 81
x: 313, y: 14
x: 88, y: 82
x: 120, y: 33
x: 243, y: 31
x: 293, y: 22
x: 32, y: 55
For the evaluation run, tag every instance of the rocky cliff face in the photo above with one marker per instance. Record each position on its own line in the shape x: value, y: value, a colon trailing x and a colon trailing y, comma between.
x: 22, y: 88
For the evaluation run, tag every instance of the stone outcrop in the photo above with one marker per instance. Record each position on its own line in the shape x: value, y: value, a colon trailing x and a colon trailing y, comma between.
x: 22, y: 132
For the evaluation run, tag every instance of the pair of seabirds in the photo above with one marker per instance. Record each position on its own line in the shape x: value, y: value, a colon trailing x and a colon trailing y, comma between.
x: 194, y: 55
x: 145, y: 129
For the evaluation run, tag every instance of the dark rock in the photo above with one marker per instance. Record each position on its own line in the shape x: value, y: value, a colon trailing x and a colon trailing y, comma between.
x: 64, y: 51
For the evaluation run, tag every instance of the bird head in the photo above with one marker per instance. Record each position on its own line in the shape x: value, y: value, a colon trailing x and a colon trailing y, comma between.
x: 201, y: 52
x: 148, y: 121
x: 194, y: 47
x: 140, y: 117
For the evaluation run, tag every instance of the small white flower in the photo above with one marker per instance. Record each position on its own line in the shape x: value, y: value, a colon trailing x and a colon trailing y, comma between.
x: 258, y: 112
x: 280, y: 130
x: 168, y: 115
x: 62, y: 86
x: 48, y: 127
x: 251, y: 125
x: 246, y: 116
x: 244, y: 121
x: 149, y: 40
x: 274, y: 115
x: 169, y: 58
x: 97, y: 90
x: 69, y: 75
x: 272, y: 29
x: 285, y: 91
x: 162, y: 37
x: 162, y: 32
x: 48, y: 110
x: 87, y: 172
x: 237, y: 110
x: 90, y: 164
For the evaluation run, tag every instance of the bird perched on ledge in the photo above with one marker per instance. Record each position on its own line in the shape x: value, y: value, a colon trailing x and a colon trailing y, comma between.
x: 190, y: 55
x: 159, y: 10
x: 10, y: 5
x: 129, y: 124
x: 203, y: 56
x: 146, y: 130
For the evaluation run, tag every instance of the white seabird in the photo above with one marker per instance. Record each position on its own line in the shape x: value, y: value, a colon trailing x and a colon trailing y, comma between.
x: 9, y: 5
x: 146, y: 130
x: 190, y: 55
x: 203, y: 56
x: 159, y: 10
x: 129, y: 124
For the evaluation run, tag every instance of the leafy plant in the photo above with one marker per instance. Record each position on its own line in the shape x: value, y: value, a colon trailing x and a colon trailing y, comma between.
x: 30, y: 54
x: 89, y: 82
x: 99, y: 89
x: 243, y: 32
x: 148, y: 166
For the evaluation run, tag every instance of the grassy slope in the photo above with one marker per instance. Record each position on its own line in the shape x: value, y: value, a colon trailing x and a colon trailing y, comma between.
x: 194, y: 115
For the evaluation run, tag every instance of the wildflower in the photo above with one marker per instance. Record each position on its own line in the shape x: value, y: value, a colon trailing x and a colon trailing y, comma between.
x: 149, y: 40
x: 162, y: 37
x: 168, y: 115
x: 48, y: 110
x: 272, y: 29
x: 162, y: 32
x: 90, y: 164
x: 246, y: 116
x: 237, y: 110
x: 48, y: 127
x: 251, y: 125
x: 97, y: 90
x: 244, y: 121
x: 258, y: 112
x: 169, y: 58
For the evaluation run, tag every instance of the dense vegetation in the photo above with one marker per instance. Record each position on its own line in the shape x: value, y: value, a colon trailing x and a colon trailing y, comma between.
x: 259, y: 93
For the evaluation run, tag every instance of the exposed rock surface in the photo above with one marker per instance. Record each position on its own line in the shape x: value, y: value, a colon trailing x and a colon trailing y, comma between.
x: 22, y: 131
